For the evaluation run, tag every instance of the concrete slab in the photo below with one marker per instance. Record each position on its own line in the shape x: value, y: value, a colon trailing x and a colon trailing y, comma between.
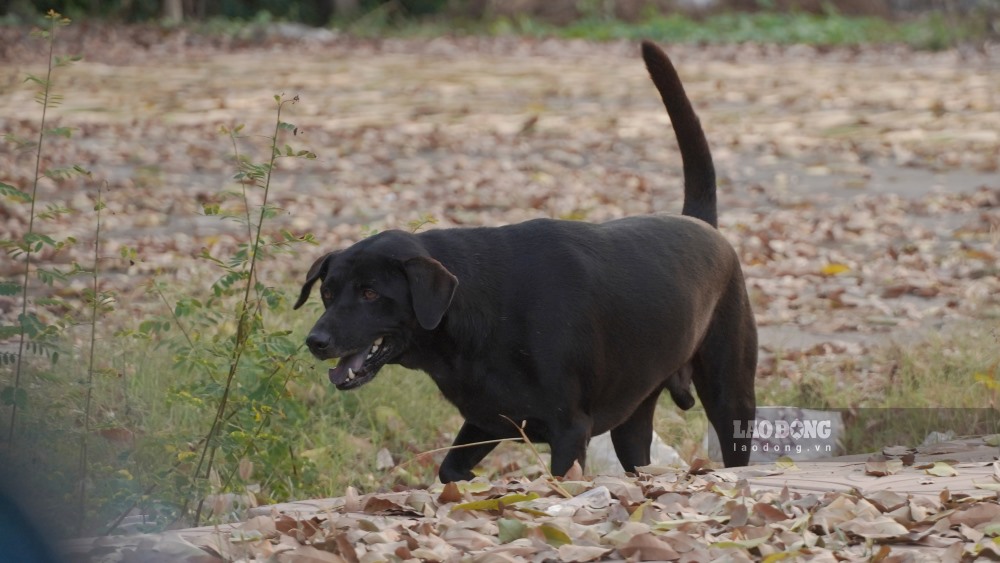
x: 972, y: 459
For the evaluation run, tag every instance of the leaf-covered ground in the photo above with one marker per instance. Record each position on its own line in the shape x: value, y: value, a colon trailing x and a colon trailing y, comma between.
x: 663, y: 514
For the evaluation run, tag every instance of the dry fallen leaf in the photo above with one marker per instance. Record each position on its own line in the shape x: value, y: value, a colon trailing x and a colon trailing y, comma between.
x: 941, y: 469
x: 879, y: 528
x: 976, y: 515
x: 834, y: 269
x: 880, y: 466
x: 648, y: 547
x: 383, y: 460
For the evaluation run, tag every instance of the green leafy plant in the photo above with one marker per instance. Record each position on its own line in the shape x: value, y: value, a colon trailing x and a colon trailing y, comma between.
x: 100, y: 303
x: 48, y: 403
x: 225, y: 336
x: 34, y: 333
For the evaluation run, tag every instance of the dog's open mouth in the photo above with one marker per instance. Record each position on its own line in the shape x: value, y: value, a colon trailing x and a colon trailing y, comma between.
x: 354, y: 370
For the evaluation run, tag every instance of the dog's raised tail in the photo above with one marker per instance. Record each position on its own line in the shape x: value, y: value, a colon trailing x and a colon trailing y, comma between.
x: 699, y: 172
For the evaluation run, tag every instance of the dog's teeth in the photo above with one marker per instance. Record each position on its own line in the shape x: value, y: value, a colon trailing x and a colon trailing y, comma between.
x: 375, y: 347
x: 350, y: 374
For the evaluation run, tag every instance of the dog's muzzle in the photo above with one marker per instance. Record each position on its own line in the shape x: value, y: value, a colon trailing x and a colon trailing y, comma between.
x: 355, y: 367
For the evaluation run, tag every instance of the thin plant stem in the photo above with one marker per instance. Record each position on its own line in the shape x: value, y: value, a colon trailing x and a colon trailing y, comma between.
x: 46, y: 91
x: 243, y: 326
x: 243, y: 187
x: 173, y: 315
x: 426, y: 453
x: 90, y: 368
x: 552, y: 480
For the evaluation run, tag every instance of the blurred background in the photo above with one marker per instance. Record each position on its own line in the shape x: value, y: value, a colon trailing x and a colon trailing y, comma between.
x: 978, y: 17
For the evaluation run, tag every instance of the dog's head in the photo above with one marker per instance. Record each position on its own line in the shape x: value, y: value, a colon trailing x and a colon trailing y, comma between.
x: 377, y: 294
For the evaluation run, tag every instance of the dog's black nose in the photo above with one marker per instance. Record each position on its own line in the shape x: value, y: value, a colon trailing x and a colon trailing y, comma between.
x: 317, y: 343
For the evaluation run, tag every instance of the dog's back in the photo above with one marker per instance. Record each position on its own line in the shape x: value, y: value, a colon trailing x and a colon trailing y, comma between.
x: 627, y: 300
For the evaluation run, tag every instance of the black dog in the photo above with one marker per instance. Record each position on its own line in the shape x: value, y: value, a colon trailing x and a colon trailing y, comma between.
x: 569, y: 328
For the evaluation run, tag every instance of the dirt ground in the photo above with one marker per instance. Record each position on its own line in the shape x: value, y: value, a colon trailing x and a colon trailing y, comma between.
x: 860, y: 186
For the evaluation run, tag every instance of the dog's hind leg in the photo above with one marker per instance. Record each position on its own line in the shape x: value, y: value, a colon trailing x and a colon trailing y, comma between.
x: 724, y: 370
x: 632, y: 438
x: 728, y: 404
x: 458, y: 463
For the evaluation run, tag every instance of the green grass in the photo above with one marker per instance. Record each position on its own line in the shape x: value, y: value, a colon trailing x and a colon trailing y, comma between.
x: 940, y: 370
x: 778, y: 28
x: 932, y: 31
x: 905, y: 390
x: 898, y: 395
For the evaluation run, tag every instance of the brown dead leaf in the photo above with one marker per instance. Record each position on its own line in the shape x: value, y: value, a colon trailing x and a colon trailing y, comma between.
x: 897, y: 451
x: 882, y: 554
x: 880, y: 466
x: 119, y: 435
x: 580, y: 553
x: 970, y: 534
x: 466, y: 539
x: 575, y: 472
x: 746, y: 537
x: 831, y: 516
x: 383, y: 504
x: 301, y: 530
x: 699, y: 466
x: 887, y: 501
x: 738, y: 514
x: 309, y: 554
x: 768, y: 513
x: 450, y: 493
x: 352, y: 502
x: 265, y: 525
x: 648, y: 547
x: 346, y: 548
x: 975, y: 515
x: 882, y: 527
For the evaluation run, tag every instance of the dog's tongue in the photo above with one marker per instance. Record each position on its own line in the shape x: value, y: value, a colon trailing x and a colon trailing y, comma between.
x: 338, y: 375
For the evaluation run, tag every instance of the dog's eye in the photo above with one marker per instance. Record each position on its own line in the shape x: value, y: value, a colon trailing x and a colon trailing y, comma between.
x: 369, y: 294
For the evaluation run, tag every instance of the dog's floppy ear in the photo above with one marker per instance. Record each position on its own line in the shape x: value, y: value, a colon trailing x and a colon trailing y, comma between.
x: 432, y: 287
x: 316, y: 271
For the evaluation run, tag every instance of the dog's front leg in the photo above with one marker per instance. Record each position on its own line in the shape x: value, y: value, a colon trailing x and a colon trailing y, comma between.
x: 569, y: 444
x: 458, y: 463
